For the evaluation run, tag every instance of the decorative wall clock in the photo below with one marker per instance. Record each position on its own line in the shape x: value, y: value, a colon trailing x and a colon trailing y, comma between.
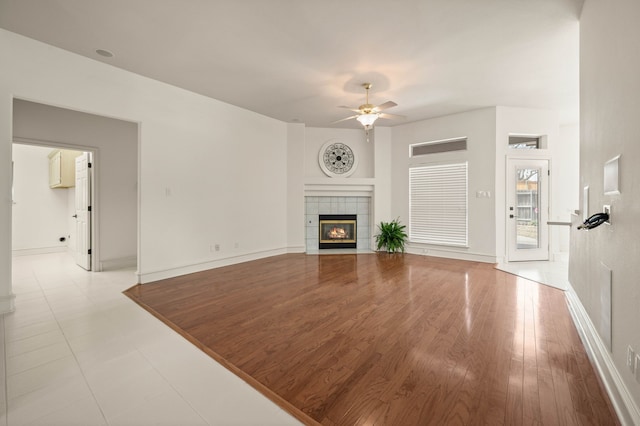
x: 337, y: 159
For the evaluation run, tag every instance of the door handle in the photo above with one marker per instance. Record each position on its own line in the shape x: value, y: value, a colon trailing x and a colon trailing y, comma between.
x: 75, y: 215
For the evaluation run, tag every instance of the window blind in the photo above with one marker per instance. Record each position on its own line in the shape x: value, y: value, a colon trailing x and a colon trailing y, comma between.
x: 438, y: 204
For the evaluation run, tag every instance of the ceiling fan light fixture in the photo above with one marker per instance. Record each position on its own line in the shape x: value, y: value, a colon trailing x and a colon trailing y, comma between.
x: 368, y: 113
x: 367, y: 120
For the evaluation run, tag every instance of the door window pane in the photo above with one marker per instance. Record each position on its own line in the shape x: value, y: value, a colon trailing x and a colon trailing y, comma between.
x: 528, y: 209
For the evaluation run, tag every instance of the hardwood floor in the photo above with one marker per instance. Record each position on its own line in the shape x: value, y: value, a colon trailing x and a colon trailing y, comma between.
x: 389, y: 339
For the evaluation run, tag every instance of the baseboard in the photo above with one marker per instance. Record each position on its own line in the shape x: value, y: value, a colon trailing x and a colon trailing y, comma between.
x: 39, y: 250
x: 296, y: 249
x: 451, y: 254
x: 119, y: 263
x: 147, y: 277
x: 621, y: 399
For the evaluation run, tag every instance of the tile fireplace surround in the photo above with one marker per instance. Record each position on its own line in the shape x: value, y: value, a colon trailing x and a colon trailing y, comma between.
x: 315, y: 206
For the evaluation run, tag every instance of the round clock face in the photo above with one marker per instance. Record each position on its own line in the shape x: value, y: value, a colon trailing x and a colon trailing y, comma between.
x: 337, y: 159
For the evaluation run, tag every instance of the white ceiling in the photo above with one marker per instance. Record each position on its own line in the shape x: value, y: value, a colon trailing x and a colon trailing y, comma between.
x: 298, y: 60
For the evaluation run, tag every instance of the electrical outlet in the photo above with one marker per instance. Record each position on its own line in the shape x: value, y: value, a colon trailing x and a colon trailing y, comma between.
x: 217, y: 247
x: 638, y: 368
x: 630, y: 361
x: 607, y: 209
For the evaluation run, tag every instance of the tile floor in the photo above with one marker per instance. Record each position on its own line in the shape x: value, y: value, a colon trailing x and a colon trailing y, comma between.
x: 551, y: 273
x: 78, y: 352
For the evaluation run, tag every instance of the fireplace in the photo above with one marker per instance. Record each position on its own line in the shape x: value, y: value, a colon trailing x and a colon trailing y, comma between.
x: 337, y: 231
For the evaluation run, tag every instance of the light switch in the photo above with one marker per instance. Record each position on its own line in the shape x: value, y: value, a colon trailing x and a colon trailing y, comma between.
x: 483, y: 194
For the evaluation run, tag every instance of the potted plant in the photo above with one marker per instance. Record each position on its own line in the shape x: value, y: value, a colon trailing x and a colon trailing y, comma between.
x: 391, y: 236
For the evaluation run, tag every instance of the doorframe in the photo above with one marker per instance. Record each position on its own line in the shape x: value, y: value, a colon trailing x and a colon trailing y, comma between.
x: 533, y: 154
x: 95, y: 216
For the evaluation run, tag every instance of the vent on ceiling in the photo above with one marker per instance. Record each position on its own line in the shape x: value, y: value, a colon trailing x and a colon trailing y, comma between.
x: 434, y: 147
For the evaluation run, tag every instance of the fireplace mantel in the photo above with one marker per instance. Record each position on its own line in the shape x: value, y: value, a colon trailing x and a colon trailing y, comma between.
x: 344, y: 187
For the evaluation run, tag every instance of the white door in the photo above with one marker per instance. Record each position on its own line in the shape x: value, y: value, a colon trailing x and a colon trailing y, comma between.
x: 527, y: 210
x: 83, y: 211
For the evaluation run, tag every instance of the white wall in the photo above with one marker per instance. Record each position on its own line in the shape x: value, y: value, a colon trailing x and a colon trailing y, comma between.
x: 7, y: 297
x: 116, y: 168
x: 525, y: 121
x: 609, y: 88
x: 479, y: 126
x: 565, y: 199
x: 488, y: 133
x: 209, y: 173
x: 295, y: 183
x: 40, y: 213
x: 71, y: 221
x: 382, y: 208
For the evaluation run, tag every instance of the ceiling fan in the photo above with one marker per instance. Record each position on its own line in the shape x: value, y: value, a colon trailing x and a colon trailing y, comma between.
x: 367, y: 113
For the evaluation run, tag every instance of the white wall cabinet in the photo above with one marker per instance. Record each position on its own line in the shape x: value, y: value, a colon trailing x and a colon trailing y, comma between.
x: 62, y: 168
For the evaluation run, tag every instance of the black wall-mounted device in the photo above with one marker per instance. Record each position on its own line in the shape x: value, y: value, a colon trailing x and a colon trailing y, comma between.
x: 594, y: 221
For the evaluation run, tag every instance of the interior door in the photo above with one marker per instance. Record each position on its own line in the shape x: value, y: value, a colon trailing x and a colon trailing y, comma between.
x: 83, y: 211
x: 527, y: 209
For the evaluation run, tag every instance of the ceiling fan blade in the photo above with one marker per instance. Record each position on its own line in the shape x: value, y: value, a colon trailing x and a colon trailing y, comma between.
x: 345, y: 119
x: 388, y: 104
x: 354, y: 109
x: 392, y: 116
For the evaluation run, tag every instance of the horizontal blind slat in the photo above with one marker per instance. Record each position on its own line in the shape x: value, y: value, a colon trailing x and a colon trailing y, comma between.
x: 438, y: 204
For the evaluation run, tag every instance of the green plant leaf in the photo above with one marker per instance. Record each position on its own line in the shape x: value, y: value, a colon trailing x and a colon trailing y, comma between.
x: 391, y: 235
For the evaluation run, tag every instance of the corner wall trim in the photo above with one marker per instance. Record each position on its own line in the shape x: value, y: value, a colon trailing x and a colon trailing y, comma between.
x: 7, y: 304
x: 296, y: 249
x: 621, y: 399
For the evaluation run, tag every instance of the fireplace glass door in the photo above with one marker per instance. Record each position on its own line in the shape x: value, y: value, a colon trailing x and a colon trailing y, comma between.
x: 337, y: 231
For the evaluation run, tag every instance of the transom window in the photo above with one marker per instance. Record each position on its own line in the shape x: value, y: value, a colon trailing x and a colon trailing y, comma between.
x: 524, y: 142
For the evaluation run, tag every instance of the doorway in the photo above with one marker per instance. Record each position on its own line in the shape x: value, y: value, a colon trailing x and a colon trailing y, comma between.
x: 114, y: 145
x: 527, y: 209
x: 52, y: 201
